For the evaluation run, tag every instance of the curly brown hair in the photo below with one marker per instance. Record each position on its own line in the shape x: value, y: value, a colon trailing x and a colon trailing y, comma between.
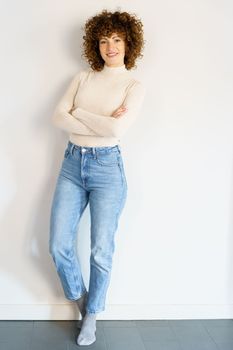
x: 126, y: 25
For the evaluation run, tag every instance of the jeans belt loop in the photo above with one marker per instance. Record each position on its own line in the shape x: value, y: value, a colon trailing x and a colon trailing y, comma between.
x: 94, y: 151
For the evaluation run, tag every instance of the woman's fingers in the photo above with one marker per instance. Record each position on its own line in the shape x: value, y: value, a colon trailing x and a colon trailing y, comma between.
x: 123, y: 108
x: 119, y: 111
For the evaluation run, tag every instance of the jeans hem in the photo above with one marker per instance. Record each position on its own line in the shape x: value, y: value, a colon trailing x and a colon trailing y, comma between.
x: 94, y: 311
x: 75, y: 299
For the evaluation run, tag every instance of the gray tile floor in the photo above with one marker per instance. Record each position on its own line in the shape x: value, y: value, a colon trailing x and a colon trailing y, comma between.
x: 119, y: 335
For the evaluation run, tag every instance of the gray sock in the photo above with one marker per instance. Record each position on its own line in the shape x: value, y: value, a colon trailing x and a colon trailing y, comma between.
x: 87, y: 333
x: 81, y: 302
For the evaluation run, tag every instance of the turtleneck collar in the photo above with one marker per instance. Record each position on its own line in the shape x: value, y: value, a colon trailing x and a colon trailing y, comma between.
x: 114, y: 70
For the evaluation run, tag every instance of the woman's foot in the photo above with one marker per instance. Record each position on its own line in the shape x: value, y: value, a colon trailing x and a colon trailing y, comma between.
x: 87, y: 333
x: 81, y: 302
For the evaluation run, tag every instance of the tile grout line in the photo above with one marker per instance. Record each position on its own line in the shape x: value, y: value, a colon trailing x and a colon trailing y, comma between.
x: 176, y: 338
x: 135, y: 326
x: 31, y: 337
x: 210, y: 335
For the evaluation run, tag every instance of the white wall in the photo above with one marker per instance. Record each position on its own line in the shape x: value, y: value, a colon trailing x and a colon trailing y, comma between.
x: 174, y: 246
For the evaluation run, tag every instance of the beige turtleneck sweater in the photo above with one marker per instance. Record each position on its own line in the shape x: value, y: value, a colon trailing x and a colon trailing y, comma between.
x: 85, y: 109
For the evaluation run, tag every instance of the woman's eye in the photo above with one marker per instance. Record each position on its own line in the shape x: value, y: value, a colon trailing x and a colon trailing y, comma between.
x: 103, y: 42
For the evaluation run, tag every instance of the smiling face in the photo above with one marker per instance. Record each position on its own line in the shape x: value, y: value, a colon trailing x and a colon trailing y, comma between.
x: 112, y: 50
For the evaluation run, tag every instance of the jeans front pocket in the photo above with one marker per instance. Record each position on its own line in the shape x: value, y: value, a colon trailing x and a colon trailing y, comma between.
x: 108, y: 158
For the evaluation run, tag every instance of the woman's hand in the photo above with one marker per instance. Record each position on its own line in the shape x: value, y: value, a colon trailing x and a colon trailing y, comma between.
x: 119, y: 111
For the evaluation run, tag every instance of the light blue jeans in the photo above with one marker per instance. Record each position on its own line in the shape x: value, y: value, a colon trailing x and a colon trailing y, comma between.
x: 93, y: 175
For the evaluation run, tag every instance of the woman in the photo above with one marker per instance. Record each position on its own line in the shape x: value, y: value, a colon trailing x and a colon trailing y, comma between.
x: 100, y: 104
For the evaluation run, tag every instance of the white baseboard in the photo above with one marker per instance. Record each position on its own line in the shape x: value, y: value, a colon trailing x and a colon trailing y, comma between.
x: 68, y: 311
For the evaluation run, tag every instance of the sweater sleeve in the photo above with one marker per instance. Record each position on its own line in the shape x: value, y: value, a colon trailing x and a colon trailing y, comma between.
x: 62, y: 118
x: 111, y: 126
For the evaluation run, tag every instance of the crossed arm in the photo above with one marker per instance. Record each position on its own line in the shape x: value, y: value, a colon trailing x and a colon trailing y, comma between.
x: 83, y: 122
x: 62, y: 118
x: 111, y: 126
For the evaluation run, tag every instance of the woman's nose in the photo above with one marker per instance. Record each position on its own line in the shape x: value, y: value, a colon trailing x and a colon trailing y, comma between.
x: 110, y: 46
